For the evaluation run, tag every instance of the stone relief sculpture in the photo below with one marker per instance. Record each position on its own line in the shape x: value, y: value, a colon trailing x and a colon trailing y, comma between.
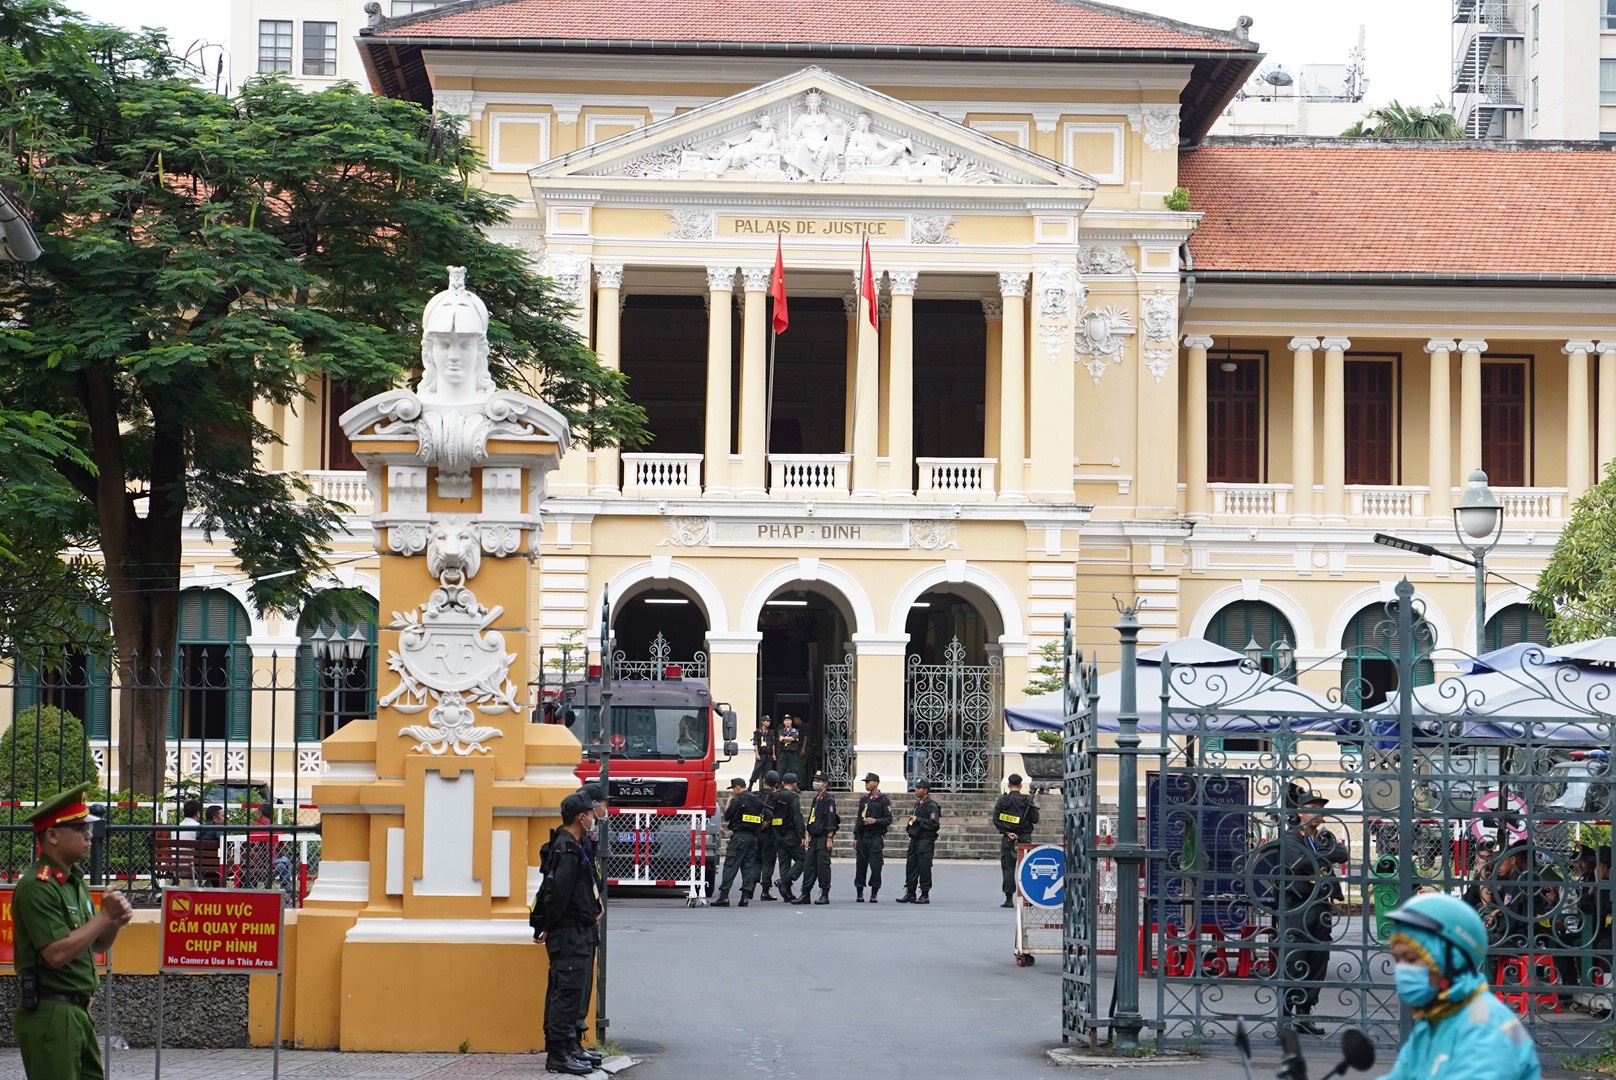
x: 691, y: 225
x: 1160, y: 316
x: 1105, y: 259
x: 1101, y: 336
x: 931, y: 229
x: 809, y: 140
x: 1161, y: 127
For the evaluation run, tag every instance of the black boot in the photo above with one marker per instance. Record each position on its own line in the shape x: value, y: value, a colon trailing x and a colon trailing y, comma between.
x: 722, y: 901
x: 594, y: 1057
x: 925, y: 897
x: 565, y: 1063
x: 1007, y: 903
x: 746, y: 898
x: 786, y: 892
x: 824, y: 897
x: 803, y: 899
x: 873, y: 893
x: 859, y: 899
x: 908, y: 897
x: 767, y: 895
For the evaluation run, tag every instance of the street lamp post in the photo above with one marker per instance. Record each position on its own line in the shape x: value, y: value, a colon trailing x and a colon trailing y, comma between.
x: 1478, y: 523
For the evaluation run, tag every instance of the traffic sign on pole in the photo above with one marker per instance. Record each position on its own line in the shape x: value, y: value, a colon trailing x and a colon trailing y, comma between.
x: 1041, y: 877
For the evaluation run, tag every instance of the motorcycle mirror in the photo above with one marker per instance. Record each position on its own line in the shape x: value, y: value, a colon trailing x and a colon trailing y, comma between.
x: 1356, y: 1049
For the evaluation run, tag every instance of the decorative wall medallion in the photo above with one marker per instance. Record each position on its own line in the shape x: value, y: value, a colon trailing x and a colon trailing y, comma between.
x: 931, y: 229
x: 570, y: 273
x: 1159, y: 314
x: 686, y: 532
x: 453, y: 549
x: 1058, y: 285
x: 1161, y: 127
x: 407, y: 537
x: 1157, y: 361
x: 1053, y: 338
x: 500, y: 540
x: 933, y: 535
x: 691, y: 224
x: 1100, y: 337
x: 1105, y: 260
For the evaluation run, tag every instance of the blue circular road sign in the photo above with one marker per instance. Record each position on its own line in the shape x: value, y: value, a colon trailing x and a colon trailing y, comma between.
x: 1042, y: 876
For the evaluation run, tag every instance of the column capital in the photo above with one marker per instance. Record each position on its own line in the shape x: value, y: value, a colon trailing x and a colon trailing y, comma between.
x: 1013, y: 282
x: 1299, y: 344
x: 1577, y: 347
x: 756, y: 278
x: 720, y: 278
x: 609, y: 275
x: 903, y: 282
x: 1334, y: 343
x: 884, y: 305
x: 858, y: 281
x: 1440, y: 345
x: 1606, y: 347
x: 1475, y: 345
x: 993, y: 310
x: 1197, y: 341
x: 850, y: 305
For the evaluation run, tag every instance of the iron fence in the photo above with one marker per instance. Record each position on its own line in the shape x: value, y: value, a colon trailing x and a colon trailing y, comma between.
x: 1493, y: 786
x: 218, y: 726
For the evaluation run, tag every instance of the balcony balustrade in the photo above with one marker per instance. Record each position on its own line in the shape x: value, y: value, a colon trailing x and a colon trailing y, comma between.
x: 957, y: 479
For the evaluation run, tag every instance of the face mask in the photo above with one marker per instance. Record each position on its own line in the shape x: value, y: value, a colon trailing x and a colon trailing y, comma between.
x: 819, y: 785
x: 1413, y: 983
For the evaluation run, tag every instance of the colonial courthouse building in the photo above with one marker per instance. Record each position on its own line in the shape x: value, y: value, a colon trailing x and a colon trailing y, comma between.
x: 1076, y: 385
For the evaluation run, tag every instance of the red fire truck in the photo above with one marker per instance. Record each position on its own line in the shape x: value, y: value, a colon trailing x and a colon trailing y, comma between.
x: 663, y: 791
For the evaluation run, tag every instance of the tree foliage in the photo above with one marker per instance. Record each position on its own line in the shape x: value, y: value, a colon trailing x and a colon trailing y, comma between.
x: 204, y: 253
x: 1576, y: 592
x: 1395, y: 120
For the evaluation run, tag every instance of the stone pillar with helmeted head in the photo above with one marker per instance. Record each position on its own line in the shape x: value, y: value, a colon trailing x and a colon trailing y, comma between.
x: 434, y: 812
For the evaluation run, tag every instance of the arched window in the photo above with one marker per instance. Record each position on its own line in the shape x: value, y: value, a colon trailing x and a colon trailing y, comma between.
x: 1236, y: 626
x: 1515, y: 624
x: 212, y: 696
x: 336, y: 672
x: 1369, y: 669
x: 73, y: 678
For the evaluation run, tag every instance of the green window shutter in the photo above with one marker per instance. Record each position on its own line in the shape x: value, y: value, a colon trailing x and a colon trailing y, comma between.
x: 27, y: 695
x: 98, y: 725
x: 307, y: 700
x: 240, y: 692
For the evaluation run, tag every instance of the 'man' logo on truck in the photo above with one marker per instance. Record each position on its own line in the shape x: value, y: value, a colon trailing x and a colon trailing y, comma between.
x: 635, y: 790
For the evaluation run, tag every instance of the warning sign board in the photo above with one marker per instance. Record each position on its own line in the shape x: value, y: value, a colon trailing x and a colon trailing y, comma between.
x: 221, y: 930
x: 8, y: 926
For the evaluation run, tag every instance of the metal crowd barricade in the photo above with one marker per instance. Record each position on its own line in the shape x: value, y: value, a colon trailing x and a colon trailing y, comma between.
x: 1038, y: 927
x: 657, y: 847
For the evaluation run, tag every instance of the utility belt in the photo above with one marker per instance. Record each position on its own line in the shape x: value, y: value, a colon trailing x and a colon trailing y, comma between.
x: 872, y: 830
x: 81, y: 1000
x: 749, y: 828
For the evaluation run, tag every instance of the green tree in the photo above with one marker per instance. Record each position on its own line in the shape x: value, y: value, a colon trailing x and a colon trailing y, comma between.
x: 1576, y: 592
x: 1046, y: 677
x: 203, y: 253
x: 44, y: 751
x: 1395, y: 120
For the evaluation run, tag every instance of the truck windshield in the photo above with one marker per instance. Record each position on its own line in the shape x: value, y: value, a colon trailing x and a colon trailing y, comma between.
x: 645, y: 731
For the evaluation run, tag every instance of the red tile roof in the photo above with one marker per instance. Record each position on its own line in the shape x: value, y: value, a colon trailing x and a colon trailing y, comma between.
x: 1034, y: 24
x: 1337, y: 206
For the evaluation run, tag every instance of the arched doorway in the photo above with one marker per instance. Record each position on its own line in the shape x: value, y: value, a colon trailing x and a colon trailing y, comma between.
x: 953, y: 691
x: 655, y: 628
x: 1244, y: 621
x: 805, y: 669
x: 1369, y: 668
x: 1516, y: 624
x: 336, y: 671
x: 212, y: 695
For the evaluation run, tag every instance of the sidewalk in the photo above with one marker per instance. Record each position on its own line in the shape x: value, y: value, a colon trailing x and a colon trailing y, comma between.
x: 256, y: 1065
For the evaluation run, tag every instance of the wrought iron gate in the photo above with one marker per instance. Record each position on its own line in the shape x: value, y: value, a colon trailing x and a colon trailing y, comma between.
x: 1493, y: 786
x: 951, y: 721
x: 837, y: 712
x: 1080, y: 830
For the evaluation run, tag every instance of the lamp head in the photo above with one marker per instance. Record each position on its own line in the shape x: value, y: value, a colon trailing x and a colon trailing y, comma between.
x: 1254, y: 652
x: 1478, y: 513
x: 1284, y: 655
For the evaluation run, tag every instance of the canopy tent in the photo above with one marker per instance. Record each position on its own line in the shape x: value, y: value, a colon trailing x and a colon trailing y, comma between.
x: 1205, y: 676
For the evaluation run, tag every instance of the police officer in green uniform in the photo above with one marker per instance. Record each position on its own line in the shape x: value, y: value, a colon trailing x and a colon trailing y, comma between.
x: 744, y: 817
x: 925, y: 818
x: 58, y: 932
x: 1014, y: 815
x: 789, y: 829
x: 767, y: 848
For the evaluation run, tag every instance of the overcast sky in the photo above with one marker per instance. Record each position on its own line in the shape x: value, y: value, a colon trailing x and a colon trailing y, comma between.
x: 1408, y: 42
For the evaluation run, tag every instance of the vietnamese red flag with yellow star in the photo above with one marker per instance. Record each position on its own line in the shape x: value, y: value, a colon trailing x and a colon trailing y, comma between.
x: 777, y: 290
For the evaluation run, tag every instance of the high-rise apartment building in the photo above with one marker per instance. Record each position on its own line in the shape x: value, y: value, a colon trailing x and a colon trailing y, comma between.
x: 1535, y: 69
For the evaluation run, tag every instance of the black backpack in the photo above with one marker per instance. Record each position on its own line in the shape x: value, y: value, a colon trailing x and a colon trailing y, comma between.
x: 535, y: 918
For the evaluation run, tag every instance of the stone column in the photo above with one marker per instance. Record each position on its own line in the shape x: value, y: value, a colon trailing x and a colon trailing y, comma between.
x: 264, y: 412
x: 1470, y: 351
x: 1439, y: 454
x: 1195, y: 374
x: 734, y: 662
x: 294, y: 430
x: 1607, y: 405
x: 715, y: 449
x: 993, y: 313
x: 883, y: 445
x: 1335, y: 440
x: 901, y: 383
x: 850, y: 305
x: 1013, y: 386
x: 1051, y: 383
x: 1302, y: 425
x: 878, y: 708
x: 608, y: 346
x: 866, y: 400
x: 754, y: 382
x: 1578, y: 452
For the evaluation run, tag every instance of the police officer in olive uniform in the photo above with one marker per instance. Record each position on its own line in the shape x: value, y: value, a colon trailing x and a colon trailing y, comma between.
x: 744, y: 817
x: 925, y: 818
x: 789, y: 829
x: 571, y: 909
x: 1014, y: 815
x: 870, y: 838
x: 822, y: 824
x: 58, y: 932
x: 767, y: 848
x: 1308, y: 891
